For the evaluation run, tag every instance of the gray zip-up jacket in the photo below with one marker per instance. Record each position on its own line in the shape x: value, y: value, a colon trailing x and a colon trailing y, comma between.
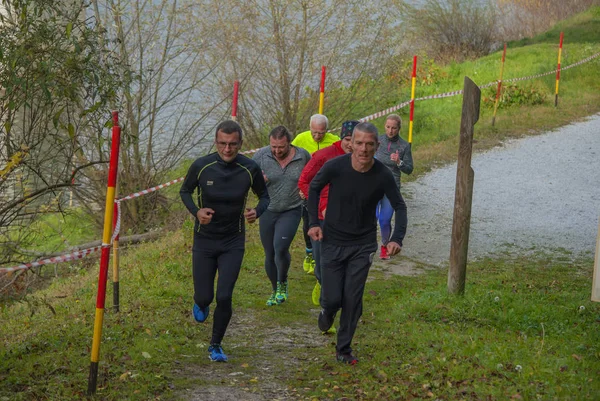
x: 388, y: 146
x: 282, y: 183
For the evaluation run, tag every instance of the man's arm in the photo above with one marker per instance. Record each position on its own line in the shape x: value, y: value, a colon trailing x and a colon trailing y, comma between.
x: 322, y: 178
x: 259, y: 187
x: 190, y: 183
x: 397, y: 202
x: 308, y: 173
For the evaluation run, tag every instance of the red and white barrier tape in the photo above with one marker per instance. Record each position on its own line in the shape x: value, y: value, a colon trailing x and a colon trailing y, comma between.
x: 57, y: 259
x: 147, y: 191
x: 85, y: 252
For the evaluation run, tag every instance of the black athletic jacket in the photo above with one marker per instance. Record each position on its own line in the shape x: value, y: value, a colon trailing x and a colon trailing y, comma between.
x: 224, y: 188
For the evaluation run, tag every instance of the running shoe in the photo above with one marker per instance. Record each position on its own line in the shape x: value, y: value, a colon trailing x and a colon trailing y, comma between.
x: 383, y: 255
x: 272, y: 299
x: 282, y: 292
x: 332, y: 330
x: 316, y: 294
x: 216, y: 354
x: 325, y: 321
x: 308, y: 262
x: 200, y: 314
x: 346, y: 358
x: 311, y: 268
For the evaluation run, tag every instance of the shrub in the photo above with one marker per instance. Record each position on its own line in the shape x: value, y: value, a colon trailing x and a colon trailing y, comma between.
x: 513, y: 95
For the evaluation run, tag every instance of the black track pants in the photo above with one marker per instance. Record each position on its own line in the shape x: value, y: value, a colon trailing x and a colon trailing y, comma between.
x: 344, y: 271
x: 210, y: 256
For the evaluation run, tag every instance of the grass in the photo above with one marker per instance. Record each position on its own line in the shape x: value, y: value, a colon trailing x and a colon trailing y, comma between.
x: 520, y: 331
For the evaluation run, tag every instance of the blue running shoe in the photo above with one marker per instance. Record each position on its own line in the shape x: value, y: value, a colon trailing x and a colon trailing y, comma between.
x: 200, y: 314
x: 216, y: 354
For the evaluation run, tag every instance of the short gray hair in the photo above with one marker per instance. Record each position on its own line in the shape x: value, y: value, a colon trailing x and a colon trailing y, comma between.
x: 367, y: 128
x: 319, y: 119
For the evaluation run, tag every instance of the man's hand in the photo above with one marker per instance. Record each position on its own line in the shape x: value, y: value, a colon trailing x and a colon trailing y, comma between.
x: 250, y: 215
x: 315, y: 233
x: 395, y: 157
x: 265, y: 176
x: 393, y: 248
x: 205, y: 215
x: 301, y: 194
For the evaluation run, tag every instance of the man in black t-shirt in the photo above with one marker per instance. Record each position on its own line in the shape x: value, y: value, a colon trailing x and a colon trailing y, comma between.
x: 357, y: 182
x: 222, y: 181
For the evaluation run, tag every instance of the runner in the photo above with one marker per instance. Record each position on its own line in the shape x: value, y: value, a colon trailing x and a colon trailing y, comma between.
x: 281, y: 164
x: 312, y: 168
x: 396, y: 154
x: 223, y: 180
x: 315, y: 139
x: 349, y: 234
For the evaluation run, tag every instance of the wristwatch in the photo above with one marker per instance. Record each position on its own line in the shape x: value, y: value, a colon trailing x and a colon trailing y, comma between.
x: 400, y: 163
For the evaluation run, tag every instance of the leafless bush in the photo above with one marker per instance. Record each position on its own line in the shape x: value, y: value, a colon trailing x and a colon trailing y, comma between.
x: 526, y: 18
x: 452, y: 29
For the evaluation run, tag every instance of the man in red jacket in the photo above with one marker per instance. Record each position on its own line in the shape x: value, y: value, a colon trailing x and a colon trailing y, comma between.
x: 308, y: 173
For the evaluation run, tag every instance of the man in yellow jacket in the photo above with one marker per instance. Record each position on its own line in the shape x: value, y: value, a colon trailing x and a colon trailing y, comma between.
x: 315, y: 139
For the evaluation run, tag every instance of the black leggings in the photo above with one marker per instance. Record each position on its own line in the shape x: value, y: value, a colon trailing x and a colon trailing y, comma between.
x: 277, y: 231
x: 208, y: 257
x: 305, y: 227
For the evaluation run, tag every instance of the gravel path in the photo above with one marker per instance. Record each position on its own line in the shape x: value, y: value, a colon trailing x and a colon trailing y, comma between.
x: 532, y: 194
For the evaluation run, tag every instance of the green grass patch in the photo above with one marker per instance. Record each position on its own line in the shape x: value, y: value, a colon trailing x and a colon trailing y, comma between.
x: 520, y: 331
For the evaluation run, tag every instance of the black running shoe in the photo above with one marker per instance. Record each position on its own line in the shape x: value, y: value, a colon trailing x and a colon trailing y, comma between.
x: 347, y: 358
x: 325, y: 321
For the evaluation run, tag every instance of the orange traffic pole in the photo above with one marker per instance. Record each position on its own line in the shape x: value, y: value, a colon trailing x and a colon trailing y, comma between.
x: 322, y: 90
x: 102, y: 276
x: 499, y: 89
x: 412, y: 99
x: 115, y: 248
x: 234, y: 105
x: 558, y: 69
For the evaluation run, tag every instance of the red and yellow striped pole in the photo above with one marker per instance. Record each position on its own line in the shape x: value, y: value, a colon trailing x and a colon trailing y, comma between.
x: 322, y: 90
x: 412, y: 99
x: 102, y: 276
x: 499, y: 90
x: 558, y: 69
x: 234, y: 105
x: 115, y: 248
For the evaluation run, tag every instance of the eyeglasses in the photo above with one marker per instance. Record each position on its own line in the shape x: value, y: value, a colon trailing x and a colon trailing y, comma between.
x: 231, y: 145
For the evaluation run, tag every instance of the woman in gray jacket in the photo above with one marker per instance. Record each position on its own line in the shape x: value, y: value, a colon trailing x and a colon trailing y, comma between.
x: 394, y: 152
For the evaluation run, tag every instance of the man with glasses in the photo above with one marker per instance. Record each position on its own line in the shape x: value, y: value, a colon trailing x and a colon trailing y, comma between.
x: 222, y: 181
x: 311, y: 141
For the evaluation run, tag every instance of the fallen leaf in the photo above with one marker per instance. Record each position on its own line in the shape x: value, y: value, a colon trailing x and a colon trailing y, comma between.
x: 577, y: 357
x: 146, y: 355
x: 124, y: 376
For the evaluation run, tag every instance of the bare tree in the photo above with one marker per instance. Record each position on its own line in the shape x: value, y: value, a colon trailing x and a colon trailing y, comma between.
x: 55, y: 82
x: 277, y: 49
x: 167, y: 106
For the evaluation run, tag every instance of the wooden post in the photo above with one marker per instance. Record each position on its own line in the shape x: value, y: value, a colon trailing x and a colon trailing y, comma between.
x: 596, y: 278
x: 464, y: 190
